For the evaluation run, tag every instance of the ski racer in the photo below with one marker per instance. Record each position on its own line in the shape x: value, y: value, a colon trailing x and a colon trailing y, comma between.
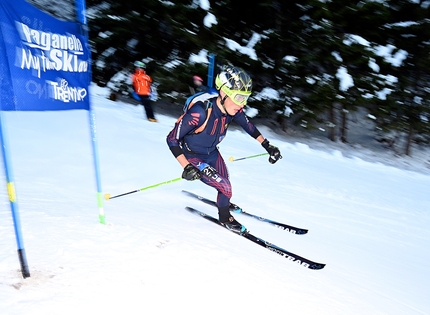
x: 194, y: 139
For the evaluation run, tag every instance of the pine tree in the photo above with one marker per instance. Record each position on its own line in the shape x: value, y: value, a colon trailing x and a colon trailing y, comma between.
x: 301, y: 48
x: 408, y: 109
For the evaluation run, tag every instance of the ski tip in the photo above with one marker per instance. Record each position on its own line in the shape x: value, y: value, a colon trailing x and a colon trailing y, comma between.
x: 316, y: 266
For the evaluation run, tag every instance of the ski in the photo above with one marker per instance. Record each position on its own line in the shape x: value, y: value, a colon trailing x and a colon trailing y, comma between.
x: 304, y: 262
x: 282, y: 226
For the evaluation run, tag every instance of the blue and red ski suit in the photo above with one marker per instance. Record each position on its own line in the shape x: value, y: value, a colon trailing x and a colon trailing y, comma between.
x: 202, y: 147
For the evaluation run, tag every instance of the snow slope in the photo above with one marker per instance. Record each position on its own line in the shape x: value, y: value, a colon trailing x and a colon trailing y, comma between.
x: 367, y: 221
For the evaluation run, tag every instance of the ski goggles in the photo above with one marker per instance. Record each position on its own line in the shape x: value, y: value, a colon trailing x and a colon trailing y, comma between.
x: 240, y: 98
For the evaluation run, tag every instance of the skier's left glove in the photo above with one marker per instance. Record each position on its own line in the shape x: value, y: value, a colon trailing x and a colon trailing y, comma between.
x: 273, y: 151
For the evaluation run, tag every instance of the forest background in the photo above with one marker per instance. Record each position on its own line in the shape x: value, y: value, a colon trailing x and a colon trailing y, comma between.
x: 299, y: 50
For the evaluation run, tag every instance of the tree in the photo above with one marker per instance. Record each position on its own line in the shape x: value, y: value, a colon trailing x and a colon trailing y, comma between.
x: 322, y: 57
x: 408, y: 33
x: 126, y: 31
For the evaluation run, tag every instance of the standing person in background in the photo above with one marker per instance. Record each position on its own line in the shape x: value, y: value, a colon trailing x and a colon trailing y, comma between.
x: 198, y: 85
x: 142, y: 87
x: 196, y: 135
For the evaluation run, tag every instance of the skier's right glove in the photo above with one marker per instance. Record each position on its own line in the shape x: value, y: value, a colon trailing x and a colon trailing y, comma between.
x: 191, y: 172
x: 273, y: 151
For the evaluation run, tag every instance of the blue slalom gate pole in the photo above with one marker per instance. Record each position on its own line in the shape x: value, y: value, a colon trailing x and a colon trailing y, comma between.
x: 211, y: 70
x: 12, y: 199
x: 102, y: 216
x: 80, y: 12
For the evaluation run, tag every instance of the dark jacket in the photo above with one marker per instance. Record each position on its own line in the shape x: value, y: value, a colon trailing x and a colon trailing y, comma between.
x: 182, y: 138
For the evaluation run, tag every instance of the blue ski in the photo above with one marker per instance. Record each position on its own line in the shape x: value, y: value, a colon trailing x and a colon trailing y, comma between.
x: 282, y: 226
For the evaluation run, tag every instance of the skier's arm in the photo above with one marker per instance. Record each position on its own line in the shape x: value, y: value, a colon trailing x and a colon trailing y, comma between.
x: 274, y: 153
x: 260, y: 138
x: 185, y: 125
x: 182, y: 160
x: 248, y: 126
x: 133, y: 82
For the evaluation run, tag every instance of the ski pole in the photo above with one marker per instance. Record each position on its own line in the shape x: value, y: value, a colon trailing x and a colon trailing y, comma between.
x: 108, y: 196
x: 232, y: 159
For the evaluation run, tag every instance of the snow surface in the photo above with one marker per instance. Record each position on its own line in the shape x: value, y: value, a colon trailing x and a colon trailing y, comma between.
x: 367, y: 221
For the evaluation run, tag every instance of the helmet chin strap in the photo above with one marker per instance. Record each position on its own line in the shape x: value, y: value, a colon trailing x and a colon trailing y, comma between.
x: 222, y: 99
x: 222, y: 103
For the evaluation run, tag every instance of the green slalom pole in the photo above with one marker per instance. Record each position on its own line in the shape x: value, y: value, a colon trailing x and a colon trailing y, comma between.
x: 232, y: 159
x: 108, y: 196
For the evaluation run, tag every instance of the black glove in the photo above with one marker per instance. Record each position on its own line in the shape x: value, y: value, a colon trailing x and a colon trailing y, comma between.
x: 273, y: 151
x: 191, y: 172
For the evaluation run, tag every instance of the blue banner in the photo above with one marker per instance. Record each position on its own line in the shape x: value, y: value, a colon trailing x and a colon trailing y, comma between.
x: 45, y: 63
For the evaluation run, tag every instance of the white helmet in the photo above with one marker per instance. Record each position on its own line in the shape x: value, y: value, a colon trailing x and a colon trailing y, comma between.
x: 139, y: 64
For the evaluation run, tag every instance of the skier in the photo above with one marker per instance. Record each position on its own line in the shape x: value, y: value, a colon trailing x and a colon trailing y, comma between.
x: 194, y: 139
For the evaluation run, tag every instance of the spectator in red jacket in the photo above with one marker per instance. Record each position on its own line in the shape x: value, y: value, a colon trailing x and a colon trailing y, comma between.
x: 142, y: 87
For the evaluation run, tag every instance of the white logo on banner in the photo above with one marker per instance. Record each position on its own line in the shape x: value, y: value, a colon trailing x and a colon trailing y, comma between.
x: 61, y: 91
x: 57, y: 52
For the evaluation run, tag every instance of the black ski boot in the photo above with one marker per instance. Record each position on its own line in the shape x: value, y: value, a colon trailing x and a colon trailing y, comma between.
x: 234, y: 226
x: 229, y: 222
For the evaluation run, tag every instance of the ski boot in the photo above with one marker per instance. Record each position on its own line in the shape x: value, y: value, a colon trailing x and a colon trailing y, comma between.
x: 235, y: 208
x: 235, y: 226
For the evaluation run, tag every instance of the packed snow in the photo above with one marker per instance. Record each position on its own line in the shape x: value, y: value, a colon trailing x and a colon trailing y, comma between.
x: 368, y: 222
